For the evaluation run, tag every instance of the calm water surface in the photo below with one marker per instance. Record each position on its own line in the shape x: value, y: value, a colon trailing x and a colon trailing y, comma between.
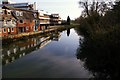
x: 54, y: 58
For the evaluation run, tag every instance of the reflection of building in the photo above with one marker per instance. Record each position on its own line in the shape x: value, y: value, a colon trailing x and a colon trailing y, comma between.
x: 19, y: 49
x: 56, y: 37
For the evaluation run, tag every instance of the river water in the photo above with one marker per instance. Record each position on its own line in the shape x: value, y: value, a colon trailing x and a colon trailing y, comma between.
x: 49, y: 56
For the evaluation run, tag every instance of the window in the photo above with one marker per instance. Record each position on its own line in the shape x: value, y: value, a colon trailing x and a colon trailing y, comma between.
x: 1, y: 12
x: 12, y: 29
x: 17, y: 13
x: 9, y: 30
x: 5, y: 11
x: 21, y: 13
x: 35, y: 15
x: 3, y: 18
x: 4, y: 30
x: 21, y: 21
x: 6, y: 22
x: 27, y: 28
x: 0, y: 30
x: 12, y: 21
x: 9, y: 13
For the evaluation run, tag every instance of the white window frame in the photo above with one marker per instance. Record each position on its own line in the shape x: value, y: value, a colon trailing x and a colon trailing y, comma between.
x: 12, y: 29
x: 9, y: 29
x: 0, y: 30
x: 4, y: 30
x: 2, y: 11
x: 21, y: 13
x: 13, y: 21
x: 17, y: 13
x: 26, y: 27
x: 8, y: 12
x: 6, y: 22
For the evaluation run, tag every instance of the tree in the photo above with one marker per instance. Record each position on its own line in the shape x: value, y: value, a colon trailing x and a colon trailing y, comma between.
x: 94, y: 6
x: 68, y: 20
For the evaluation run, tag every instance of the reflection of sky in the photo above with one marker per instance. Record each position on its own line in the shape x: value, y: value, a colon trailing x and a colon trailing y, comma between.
x: 57, y: 59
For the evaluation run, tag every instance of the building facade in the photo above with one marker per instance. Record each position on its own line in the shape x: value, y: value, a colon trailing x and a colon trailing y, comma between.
x: 20, y: 18
x: 44, y: 20
x: 55, y: 19
x: 7, y: 23
x: 15, y: 21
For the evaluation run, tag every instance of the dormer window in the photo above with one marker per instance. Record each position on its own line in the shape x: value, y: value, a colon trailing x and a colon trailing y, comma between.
x: 17, y: 13
x: 13, y: 21
x: 2, y: 12
x: 8, y: 12
x: 21, y: 13
x: 35, y: 15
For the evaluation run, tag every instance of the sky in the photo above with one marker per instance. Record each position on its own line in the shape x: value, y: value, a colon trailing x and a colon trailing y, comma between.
x: 63, y: 7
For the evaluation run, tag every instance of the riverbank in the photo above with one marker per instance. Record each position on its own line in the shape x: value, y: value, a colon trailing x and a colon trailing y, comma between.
x: 100, y: 49
x: 22, y: 36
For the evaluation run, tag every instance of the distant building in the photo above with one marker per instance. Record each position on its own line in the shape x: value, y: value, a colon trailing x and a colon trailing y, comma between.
x: 55, y: 19
x: 44, y: 20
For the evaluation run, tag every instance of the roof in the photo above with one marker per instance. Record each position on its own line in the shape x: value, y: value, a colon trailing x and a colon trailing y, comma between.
x: 12, y: 8
x: 27, y: 14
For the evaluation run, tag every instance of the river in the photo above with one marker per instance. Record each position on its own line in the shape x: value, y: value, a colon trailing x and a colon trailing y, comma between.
x: 49, y: 56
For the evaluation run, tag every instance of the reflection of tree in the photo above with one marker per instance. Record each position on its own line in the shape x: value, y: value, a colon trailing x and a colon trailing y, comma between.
x: 101, y: 56
x: 68, y: 31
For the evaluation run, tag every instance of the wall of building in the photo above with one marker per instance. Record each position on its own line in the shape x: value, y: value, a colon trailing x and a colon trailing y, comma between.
x: 19, y: 21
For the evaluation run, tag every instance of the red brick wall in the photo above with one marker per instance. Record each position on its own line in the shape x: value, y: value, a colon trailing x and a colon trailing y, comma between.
x: 26, y: 23
x: 14, y: 31
x: 5, y: 33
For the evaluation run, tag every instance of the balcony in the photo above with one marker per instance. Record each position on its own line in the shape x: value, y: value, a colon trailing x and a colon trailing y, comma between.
x: 45, y: 22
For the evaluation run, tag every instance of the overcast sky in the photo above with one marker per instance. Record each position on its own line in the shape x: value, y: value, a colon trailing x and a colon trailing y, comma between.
x: 63, y: 7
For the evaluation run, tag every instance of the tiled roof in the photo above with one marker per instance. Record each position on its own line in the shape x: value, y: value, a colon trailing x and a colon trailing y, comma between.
x: 27, y: 14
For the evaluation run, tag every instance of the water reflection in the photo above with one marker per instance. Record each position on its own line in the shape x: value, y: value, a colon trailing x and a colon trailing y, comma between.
x: 56, y: 60
x: 19, y: 49
x: 101, y: 60
x: 68, y: 31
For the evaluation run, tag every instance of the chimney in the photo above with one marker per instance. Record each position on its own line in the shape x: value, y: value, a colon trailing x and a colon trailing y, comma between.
x: 5, y: 2
x: 34, y: 6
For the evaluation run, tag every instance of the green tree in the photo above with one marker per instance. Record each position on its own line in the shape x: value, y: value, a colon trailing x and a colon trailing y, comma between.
x: 68, y: 20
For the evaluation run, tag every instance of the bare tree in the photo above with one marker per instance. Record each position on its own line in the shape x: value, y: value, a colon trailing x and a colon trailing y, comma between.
x: 95, y: 6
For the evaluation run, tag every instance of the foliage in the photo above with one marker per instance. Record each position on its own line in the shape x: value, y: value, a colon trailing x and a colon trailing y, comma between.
x: 68, y: 20
x: 101, y: 46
